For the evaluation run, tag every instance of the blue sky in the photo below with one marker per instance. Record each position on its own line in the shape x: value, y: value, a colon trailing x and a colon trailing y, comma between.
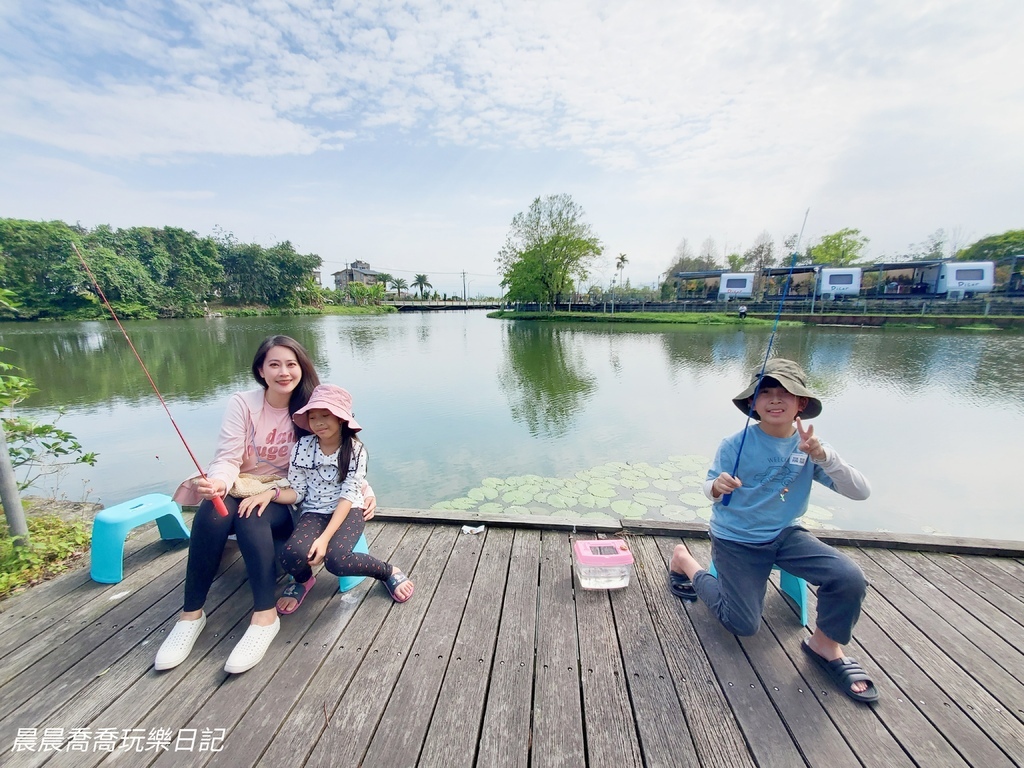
x: 408, y: 134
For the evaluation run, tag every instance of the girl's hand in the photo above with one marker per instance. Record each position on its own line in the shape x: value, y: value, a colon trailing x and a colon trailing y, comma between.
x: 317, y: 552
x: 725, y: 483
x: 208, y: 488
x: 809, y: 444
x: 258, y: 502
x: 370, y: 509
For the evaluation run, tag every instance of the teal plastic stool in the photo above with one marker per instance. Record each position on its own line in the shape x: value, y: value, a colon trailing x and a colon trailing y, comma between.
x: 345, y: 583
x: 111, y: 526
x: 792, y: 586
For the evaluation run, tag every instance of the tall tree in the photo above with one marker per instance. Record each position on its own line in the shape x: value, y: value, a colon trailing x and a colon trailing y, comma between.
x: 399, y: 284
x: 422, y: 282
x: 759, y: 257
x: 547, y: 247
x: 839, y: 249
x: 994, y: 247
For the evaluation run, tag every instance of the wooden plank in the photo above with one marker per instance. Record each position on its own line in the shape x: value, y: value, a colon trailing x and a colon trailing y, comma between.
x: 96, y: 663
x: 987, y: 579
x: 760, y: 722
x: 30, y: 625
x: 354, y: 721
x: 716, y: 734
x: 37, y: 600
x: 918, y: 542
x: 815, y: 735
x: 1012, y: 568
x: 470, y: 517
x: 454, y: 730
x: 557, y: 708
x: 989, y: 628
x: 607, y: 715
x: 122, y: 695
x: 918, y: 714
x: 403, y: 726
x: 505, y: 736
x: 657, y: 708
x: 918, y: 630
x: 866, y: 736
x: 64, y: 645
x: 305, y: 656
x: 304, y: 725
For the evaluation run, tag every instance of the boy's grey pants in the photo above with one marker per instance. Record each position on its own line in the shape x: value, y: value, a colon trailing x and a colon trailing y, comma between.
x: 736, y: 597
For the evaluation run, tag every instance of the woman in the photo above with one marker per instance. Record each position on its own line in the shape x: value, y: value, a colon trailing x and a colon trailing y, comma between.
x: 256, y: 437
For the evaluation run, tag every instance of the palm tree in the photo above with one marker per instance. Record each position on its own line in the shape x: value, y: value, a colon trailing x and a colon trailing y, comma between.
x: 399, y: 285
x: 620, y: 262
x: 422, y: 283
x: 383, y: 278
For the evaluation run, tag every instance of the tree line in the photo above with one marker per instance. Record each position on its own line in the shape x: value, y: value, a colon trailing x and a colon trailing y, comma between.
x: 145, y: 272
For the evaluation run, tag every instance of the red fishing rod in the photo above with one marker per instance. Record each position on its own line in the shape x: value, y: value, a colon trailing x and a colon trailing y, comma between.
x: 218, y: 502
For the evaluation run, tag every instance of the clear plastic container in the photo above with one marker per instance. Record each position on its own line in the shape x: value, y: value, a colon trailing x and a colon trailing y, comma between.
x: 602, y: 563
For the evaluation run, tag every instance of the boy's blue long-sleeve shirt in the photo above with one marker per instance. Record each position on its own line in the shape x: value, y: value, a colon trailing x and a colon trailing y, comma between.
x: 776, y: 489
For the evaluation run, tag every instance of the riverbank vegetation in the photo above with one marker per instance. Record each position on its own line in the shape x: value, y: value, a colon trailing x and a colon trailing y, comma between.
x: 150, y: 272
x: 57, y: 544
x: 678, y: 318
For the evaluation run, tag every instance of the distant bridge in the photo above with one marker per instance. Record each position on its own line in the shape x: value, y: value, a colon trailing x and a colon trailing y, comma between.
x: 426, y: 305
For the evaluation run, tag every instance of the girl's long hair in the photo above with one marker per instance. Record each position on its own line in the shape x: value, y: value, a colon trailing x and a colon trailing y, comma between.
x: 310, y: 379
x: 349, y: 445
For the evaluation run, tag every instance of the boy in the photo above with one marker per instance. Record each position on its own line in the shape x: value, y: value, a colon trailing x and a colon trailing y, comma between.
x: 756, y: 528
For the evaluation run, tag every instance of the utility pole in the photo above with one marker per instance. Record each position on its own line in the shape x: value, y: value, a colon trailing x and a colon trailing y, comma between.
x: 463, y: 287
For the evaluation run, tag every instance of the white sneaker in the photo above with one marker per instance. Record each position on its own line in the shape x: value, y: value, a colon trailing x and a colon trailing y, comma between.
x: 178, y: 644
x: 251, y: 648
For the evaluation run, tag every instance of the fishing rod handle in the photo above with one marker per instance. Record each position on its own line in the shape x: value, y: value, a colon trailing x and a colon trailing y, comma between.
x: 725, y: 499
x: 218, y: 504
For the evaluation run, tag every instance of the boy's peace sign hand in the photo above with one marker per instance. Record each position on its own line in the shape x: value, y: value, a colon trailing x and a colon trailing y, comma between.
x: 809, y: 444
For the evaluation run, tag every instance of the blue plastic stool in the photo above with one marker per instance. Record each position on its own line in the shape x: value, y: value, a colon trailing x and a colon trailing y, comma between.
x: 111, y: 526
x: 345, y: 583
x: 792, y: 586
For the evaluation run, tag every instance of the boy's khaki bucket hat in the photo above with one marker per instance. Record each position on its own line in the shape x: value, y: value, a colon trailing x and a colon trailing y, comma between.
x: 792, y: 378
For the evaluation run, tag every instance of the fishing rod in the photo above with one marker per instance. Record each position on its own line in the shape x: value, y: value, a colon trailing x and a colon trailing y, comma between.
x: 218, y: 502
x: 771, y: 340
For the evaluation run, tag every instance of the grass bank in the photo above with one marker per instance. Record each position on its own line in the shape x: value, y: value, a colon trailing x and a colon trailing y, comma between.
x: 59, y: 542
x: 674, y: 318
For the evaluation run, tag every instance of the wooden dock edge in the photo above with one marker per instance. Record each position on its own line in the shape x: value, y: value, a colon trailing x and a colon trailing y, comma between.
x: 957, y: 545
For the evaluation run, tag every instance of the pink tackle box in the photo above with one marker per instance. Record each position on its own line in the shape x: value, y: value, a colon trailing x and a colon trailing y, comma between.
x: 602, y: 563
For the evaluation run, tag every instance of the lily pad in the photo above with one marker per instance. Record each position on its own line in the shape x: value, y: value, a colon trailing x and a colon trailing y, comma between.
x: 492, y: 482
x: 649, y: 499
x: 633, y: 483
x: 668, y: 485
x: 602, y: 491
x: 676, y: 512
x: 628, y: 508
x: 517, y: 496
x: 491, y: 508
x: 698, y: 500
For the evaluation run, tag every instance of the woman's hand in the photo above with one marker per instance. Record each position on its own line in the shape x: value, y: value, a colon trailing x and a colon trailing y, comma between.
x: 209, y: 488
x: 370, y: 509
x: 317, y: 552
x: 725, y: 483
x: 258, y: 502
x: 809, y: 444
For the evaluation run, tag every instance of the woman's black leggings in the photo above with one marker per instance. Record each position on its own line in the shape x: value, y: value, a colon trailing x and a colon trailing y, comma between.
x: 340, y: 560
x: 256, y: 536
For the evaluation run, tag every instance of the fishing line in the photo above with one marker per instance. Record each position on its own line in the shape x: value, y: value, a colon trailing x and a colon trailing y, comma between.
x: 218, y: 502
x: 771, y: 340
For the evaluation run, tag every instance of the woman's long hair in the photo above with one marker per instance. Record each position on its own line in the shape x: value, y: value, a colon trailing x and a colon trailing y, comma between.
x: 310, y: 379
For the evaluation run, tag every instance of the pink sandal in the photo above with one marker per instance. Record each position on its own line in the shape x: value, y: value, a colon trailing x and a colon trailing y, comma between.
x: 394, y: 583
x: 297, y: 592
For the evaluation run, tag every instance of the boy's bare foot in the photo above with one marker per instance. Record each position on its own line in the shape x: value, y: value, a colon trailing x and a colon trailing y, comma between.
x: 683, y: 562
x: 830, y: 650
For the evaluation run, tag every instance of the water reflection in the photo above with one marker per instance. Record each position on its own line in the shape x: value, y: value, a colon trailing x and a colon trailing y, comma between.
x: 543, y: 377
x: 451, y: 399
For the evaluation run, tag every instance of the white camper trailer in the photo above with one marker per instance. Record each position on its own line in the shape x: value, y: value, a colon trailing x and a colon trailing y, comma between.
x: 959, y: 279
x: 736, y: 285
x: 834, y: 282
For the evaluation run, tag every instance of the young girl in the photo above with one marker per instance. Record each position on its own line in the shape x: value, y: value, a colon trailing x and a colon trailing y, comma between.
x: 327, y: 473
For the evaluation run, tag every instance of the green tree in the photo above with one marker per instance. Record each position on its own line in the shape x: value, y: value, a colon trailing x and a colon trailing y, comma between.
x: 385, y: 278
x: 839, y: 249
x: 548, y: 247
x: 399, y: 284
x: 421, y: 282
x: 994, y: 247
x: 760, y: 257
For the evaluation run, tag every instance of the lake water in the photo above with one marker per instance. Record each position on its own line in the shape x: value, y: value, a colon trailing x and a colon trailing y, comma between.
x: 461, y: 411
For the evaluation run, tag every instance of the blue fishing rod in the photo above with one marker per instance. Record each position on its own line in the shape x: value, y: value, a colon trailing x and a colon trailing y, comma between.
x: 771, y: 340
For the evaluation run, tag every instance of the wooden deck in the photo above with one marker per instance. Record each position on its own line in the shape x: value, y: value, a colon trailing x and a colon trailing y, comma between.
x: 499, y: 660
